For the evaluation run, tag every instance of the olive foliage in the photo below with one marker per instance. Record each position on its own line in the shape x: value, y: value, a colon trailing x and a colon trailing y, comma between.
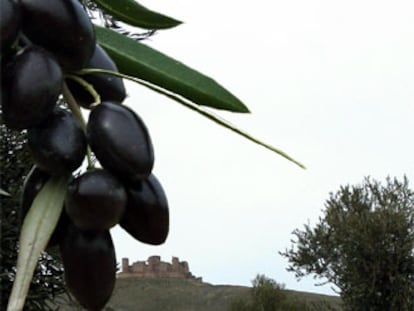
x: 364, y: 244
x: 47, y: 283
x: 268, y: 295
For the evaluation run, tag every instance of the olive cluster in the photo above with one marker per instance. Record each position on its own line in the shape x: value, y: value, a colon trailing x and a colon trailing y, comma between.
x: 43, y: 44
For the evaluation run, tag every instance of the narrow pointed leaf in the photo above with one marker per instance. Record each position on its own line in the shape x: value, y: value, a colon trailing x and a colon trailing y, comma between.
x: 218, y: 120
x: 138, y: 60
x: 4, y: 193
x: 134, y: 14
x: 37, y: 228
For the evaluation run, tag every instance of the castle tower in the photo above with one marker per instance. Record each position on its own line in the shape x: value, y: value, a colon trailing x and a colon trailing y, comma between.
x: 154, y: 263
x: 184, y: 266
x: 125, y: 265
x: 175, y: 263
x: 154, y: 260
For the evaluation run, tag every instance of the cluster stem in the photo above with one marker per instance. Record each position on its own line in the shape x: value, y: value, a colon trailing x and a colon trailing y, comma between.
x: 74, y: 107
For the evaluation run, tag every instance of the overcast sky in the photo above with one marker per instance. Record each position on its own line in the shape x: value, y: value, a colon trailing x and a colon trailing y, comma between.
x: 330, y: 82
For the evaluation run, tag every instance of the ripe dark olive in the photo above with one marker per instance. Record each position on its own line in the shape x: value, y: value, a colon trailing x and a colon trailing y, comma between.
x: 60, y: 230
x: 110, y: 88
x: 90, y: 265
x: 58, y: 145
x: 146, y: 215
x: 33, y: 80
x: 62, y: 27
x: 120, y: 141
x: 34, y: 182
x: 9, y: 23
x: 95, y: 200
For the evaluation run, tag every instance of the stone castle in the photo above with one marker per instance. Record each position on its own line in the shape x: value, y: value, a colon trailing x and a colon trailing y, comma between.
x: 154, y: 267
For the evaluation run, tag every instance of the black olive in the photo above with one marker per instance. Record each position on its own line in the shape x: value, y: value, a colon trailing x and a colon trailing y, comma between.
x: 110, y: 88
x: 58, y: 145
x: 62, y: 27
x: 120, y: 141
x: 90, y: 266
x: 9, y: 23
x: 95, y: 200
x: 146, y: 215
x: 33, y: 81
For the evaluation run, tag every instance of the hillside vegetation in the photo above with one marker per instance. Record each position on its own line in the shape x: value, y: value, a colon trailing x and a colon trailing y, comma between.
x: 169, y: 294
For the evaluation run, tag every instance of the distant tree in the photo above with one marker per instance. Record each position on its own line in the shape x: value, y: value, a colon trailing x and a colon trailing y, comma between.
x: 15, y: 162
x: 364, y: 244
x: 268, y: 295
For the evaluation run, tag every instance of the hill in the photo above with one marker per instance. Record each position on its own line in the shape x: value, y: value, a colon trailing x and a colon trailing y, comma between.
x: 171, y: 294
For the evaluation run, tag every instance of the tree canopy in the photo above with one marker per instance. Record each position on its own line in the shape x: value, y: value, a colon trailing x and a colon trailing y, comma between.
x: 364, y: 244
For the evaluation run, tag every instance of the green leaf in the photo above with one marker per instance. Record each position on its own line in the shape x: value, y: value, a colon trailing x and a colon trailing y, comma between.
x: 37, y: 228
x: 218, y: 120
x: 4, y: 193
x: 134, y: 14
x: 138, y: 60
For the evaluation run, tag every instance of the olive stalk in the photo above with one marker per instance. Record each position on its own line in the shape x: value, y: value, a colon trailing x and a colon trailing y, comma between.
x: 67, y: 94
x: 196, y: 108
x: 87, y: 86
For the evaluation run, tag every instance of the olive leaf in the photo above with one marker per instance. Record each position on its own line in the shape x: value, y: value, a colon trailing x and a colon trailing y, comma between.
x: 138, y: 60
x: 134, y: 14
x: 196, y: 108
x: 4, y: 193
x: 37, y: 228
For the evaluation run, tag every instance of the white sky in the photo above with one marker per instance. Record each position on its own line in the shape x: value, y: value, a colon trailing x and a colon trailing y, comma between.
x: 330, y: 82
